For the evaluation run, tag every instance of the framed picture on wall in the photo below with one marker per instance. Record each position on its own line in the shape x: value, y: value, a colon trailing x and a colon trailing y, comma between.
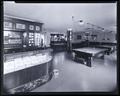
x: 31, y: 27
x: 8, y: 24
x: 37, y: 28
x: 20, y: 26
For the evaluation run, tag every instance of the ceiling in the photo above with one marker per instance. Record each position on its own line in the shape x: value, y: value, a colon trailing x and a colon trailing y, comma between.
x: 58, y: 16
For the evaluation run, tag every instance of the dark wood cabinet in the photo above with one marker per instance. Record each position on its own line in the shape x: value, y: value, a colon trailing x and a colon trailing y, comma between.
x: 21, y: 77
x: 26, y: 30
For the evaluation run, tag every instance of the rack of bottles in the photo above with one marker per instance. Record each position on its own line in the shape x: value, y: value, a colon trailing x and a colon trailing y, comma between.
x: 20, y: 34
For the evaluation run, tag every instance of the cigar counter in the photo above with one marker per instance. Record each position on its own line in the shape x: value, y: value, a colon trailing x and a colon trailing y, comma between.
x: 25, y: 71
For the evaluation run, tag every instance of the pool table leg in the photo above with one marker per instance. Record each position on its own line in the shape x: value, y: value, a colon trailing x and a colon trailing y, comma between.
x: 89, y: 59
x: 108, y: 53
x: 102, y: 57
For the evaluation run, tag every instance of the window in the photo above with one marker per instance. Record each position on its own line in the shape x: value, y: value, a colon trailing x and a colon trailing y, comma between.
x: 87, y: 33
x: 94, y: 37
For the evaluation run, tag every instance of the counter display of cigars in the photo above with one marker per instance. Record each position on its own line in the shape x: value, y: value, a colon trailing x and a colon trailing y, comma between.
x: 18, y: 61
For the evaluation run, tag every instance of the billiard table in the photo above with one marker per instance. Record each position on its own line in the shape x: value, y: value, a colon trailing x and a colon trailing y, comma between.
x: 110, y: 48
x: 86, y: 54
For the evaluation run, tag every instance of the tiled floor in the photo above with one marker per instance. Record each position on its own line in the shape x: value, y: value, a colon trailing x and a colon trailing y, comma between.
x: 73, y: 76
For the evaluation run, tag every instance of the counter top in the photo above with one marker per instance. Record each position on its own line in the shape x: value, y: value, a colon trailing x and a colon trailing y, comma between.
x: 27, y: 53
x: 18, y: 61
x: 25, y: 62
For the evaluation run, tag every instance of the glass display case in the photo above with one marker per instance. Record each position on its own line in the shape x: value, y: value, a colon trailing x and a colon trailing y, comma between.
x: 32, y: 65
